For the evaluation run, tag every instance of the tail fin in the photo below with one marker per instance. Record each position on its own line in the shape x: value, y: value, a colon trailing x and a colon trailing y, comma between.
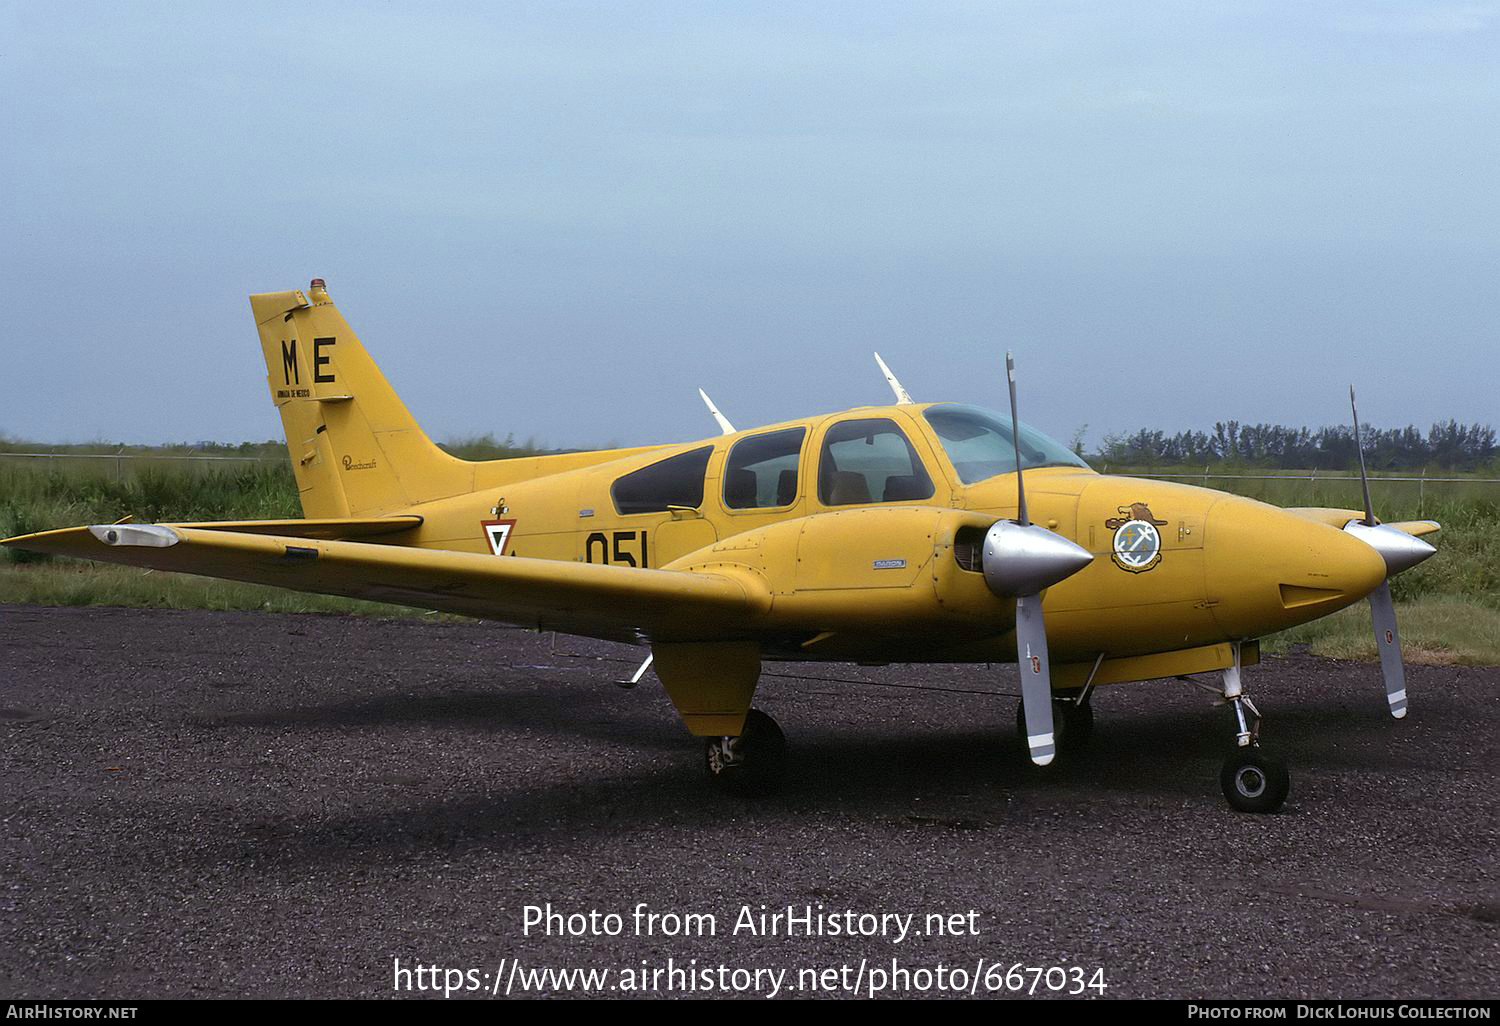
x: 355, y: 449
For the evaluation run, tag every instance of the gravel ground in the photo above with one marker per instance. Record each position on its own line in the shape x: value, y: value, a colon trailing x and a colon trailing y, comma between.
x: 225, y: 804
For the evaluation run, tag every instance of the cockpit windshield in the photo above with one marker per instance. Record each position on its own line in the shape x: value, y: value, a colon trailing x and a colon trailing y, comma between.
x: 978, y: 443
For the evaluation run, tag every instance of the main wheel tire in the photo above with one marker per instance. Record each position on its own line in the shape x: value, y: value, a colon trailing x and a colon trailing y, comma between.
x: 1254, y: 781
x: 1080, y: 724
x: 1072, y: 725
x: 752, y: 764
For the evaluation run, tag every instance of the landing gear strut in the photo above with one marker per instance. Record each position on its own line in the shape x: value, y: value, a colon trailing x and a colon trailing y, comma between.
x: 1252, y: 781
x: 751, y: 764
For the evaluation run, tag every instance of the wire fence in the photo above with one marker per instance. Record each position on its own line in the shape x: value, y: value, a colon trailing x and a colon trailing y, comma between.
x: 123, y: 462
x: 1325, y: 488
x: 1299, y: 475
x: 155, y: 457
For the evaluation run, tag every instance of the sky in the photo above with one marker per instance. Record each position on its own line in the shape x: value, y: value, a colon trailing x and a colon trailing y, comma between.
x: 558, y: 220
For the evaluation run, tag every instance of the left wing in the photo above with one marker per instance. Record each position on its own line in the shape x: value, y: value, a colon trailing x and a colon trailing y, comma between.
x: 602, y: 601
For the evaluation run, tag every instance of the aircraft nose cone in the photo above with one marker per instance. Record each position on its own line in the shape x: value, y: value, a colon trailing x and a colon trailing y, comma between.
x: 1269, y: 569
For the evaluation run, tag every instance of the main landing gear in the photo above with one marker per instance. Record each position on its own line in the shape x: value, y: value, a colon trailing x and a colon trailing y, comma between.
x: 1252, y: 780
x: 1072, y: 722
x: 753, y: 763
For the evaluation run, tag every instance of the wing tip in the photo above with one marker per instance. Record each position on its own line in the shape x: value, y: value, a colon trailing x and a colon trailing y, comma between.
x: 55, y: 540
x: 28, y: 541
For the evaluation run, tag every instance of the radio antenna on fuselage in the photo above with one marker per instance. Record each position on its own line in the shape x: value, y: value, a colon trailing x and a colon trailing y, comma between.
x: 903, y: 397
x: 719, y: 418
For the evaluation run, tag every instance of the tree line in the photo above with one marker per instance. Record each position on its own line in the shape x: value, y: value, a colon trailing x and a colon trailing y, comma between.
x: 1448, y: 446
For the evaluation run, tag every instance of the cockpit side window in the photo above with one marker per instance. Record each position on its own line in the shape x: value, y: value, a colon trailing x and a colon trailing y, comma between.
x: 870, y: 460
x: 761, y: 472
x: 675, y: 481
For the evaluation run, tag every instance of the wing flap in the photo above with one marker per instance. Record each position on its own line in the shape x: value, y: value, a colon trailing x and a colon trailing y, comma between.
x: 330, y: 528
x: 584, y: 598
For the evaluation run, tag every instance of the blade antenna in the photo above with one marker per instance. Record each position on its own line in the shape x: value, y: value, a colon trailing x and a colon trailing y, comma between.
x: 903, y: 397
x: 1364, y: 478
x: 1015, y: 436
x: 719, y: 418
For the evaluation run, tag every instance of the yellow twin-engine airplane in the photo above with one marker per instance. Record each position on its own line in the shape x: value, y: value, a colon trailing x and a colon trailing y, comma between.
x: 890, y: 534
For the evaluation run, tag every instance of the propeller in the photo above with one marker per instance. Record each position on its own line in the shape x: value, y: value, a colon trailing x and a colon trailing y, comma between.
x: 1401, y: 552
x: 1020, y: 559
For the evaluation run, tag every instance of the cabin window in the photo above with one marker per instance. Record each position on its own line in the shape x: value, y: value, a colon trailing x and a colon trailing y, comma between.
x: 870, y: 461
x: 675, y: 481
x: 761, y: 472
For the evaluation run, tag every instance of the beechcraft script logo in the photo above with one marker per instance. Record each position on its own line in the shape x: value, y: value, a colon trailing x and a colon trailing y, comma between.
x: 1137, y: 544
x: 497, y: 533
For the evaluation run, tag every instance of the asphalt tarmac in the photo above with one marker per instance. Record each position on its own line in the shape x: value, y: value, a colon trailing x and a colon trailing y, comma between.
x: 229, y: 804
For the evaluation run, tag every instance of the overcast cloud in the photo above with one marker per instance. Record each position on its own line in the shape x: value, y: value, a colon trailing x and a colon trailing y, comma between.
x: 559, y: 220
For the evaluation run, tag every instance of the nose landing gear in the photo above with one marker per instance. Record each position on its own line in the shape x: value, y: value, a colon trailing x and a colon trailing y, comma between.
x: 1252, y: 781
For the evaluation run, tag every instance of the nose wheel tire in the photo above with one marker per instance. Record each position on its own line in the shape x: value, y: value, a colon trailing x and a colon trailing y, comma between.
x: 1253, y: 781
x: 751, y: 764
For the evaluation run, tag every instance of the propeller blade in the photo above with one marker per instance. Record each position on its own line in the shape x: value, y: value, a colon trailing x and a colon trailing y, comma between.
x: 1400, y: 552
x: 1036, y: 678
x: 1359, y: 447
x: 1383, y: 615
x: 1015, y: 436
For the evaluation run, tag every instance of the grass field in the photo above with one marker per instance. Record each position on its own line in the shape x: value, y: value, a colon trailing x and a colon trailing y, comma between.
x: 39, y: 495
x: 1434, y: 630
x: 1449, y: 606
